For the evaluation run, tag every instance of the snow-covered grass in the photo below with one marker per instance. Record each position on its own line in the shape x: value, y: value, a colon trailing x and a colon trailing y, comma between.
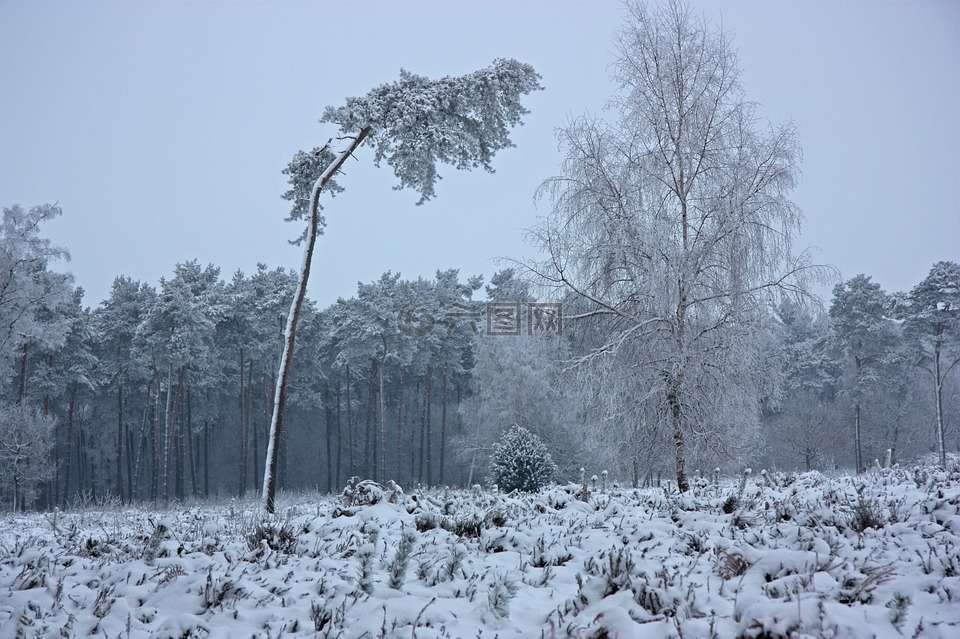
x: 769, y: 555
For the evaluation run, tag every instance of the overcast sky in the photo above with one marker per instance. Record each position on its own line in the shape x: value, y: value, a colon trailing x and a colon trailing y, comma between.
x: 161, y: 129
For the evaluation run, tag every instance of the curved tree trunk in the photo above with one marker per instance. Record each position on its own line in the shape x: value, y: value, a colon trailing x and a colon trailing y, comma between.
x: 289, y: 334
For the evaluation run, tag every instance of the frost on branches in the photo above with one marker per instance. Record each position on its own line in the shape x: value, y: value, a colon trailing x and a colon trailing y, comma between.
x: 413, y: 123
x: 521, y: 462
x: 462, y: 121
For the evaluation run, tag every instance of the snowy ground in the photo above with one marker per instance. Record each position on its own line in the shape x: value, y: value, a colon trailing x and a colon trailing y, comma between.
x: 785, y: 556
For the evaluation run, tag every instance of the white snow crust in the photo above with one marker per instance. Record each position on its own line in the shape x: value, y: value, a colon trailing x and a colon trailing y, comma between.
x: 792, y: 558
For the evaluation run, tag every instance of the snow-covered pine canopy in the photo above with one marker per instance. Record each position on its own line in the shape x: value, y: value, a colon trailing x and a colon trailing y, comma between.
x: 462, y: 121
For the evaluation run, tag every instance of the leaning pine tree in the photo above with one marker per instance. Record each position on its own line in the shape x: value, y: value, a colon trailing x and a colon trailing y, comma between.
x: 413, y: 124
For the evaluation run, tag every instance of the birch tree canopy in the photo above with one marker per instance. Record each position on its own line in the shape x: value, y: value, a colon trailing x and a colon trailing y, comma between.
x: 671, y: 225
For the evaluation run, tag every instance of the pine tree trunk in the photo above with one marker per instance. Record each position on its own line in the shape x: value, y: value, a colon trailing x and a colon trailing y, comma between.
x: 192, y: 446
x: 167, y: 435
x: 443, y: 426
x: 172, y: 439
x: 328, y: 414
x: 423, y: 430
x: 157, y: 443
x: 350, y: 443
x: 206, y: 459
x: 938, y: 381
x: 120, y: 439
x: 856, y: 436
x: 370, y: 442
x: 338, y: 479
x: 428, y: 462
x: 400, y: 477
x: 244, y: 435
x: 66, y: 469
x: 142, y: 447
x: 280, y: 397
x: 129, y: 445
x: 383, y: 414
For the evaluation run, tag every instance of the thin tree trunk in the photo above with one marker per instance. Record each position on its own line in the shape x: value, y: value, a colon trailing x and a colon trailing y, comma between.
x: 428, y: 462
x: 69, y: 462
x: 369, y: 442
x: 938, y: 381
x: 400, y: 476
x: 248, y: 428
x: 206, y: 459
x: 243, y: 432
x: 328, y: 414
x: 157, y: 443
x: 856, y: 436
x: 383, y: 414
x: 350, y: 444
x: 144, y: 434
x: 172, y: 433
x: 443, y: 426
x: 22, y: 392
x: 423, y: 430
x: 167, y: 435
x: 81, y: 460
x: 191, y: 441
x: 120, y: 439
x: 129, y: 445
x: 337, y: 475
x: 280, y: 397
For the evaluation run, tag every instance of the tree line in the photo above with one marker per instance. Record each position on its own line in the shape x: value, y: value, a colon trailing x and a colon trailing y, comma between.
x: 164, y: 392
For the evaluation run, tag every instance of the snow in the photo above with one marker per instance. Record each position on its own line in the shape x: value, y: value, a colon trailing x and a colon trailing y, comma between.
x: 803, y: 555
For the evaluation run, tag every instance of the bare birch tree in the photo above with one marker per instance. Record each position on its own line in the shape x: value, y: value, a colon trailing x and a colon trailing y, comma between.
x: 671, y: 226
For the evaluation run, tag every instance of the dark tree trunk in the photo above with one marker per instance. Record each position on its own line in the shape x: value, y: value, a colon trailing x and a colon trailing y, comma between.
x: 206, y: 459
x: 338, y: 479
x: 157, y: 444
x: 400, y: 476
x: 244, y: 434
x: 328, y: 414
x: 383, y: 414
x: 350, y: 442
x: 369, y: 444
x: 120, y: 439
x: 443, y: 426
x: 144, y: 439
x: 191, y: 441
x: 72, y: 394
x: 428, y: 461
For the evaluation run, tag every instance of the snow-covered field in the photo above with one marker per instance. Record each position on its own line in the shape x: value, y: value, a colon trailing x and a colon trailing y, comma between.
x: 777, y: 555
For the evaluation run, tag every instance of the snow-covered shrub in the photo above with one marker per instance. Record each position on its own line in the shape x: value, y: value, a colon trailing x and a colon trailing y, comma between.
x: 521, y: 462
x: 398, y: 567
x: 369, y: 492
x: 279, y: 537
x: 502, y: 591
x: 161, y: 530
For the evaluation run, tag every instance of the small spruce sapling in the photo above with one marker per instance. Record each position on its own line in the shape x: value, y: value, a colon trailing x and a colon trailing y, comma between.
x: 521, y: 462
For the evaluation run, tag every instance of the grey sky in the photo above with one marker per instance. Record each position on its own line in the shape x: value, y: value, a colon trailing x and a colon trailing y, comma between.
x: 162, y: 128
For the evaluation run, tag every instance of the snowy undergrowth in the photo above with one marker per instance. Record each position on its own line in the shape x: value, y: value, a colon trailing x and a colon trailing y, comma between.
x: 773, y: 556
